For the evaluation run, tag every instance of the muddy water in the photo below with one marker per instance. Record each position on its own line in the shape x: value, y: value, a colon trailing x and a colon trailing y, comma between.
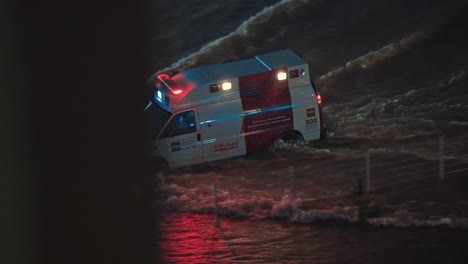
x: 193, y: 238
x: 389, y: 72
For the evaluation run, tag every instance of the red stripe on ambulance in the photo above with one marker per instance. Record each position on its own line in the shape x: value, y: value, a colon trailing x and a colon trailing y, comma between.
x: 260, y: 94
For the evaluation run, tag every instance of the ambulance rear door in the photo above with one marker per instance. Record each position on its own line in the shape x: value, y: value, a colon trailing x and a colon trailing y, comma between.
x: 306, y: 110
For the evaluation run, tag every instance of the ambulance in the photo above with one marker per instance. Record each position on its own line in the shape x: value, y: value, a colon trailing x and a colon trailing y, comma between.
x: 226, y: 110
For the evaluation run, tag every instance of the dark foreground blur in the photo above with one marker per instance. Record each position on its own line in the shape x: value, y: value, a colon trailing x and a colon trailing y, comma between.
x: 72, y: 157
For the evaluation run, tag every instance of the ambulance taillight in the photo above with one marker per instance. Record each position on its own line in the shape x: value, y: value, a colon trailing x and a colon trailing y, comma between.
x: 323, y: 130
x: 319, y: 100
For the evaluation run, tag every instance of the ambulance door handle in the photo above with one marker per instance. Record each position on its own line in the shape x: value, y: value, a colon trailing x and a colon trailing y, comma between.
x: 198, y: 137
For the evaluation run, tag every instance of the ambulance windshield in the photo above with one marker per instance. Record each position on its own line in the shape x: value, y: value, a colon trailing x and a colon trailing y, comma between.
x: 157, y: 118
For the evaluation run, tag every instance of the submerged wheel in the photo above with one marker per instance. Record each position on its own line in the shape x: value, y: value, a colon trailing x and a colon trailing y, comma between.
x: 292, y: 139
x: 287, y: 140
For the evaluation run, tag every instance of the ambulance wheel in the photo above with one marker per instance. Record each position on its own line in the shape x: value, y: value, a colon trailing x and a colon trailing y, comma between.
x: 288, y: 139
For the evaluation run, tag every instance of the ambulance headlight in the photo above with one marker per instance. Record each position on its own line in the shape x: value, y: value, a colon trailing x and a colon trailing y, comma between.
x: 281, y: 76
x: 227, y: 86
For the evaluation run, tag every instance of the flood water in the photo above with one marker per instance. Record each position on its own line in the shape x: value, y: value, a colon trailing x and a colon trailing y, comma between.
x: 392, y: 74
x: 259, y: 222
x: 194, y: 238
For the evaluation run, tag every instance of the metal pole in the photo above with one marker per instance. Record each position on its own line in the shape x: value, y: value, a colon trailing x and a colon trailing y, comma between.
x: 293, y: 182
x: 216, y: 211
x: 441, y: 156
x: 368, y: 179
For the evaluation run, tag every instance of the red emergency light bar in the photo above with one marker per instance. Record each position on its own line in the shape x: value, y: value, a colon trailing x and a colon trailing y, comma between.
x: 169, y: 83
x: 163, y: 76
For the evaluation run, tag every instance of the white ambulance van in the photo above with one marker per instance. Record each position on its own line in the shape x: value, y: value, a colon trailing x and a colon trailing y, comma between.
x: 226, y: 110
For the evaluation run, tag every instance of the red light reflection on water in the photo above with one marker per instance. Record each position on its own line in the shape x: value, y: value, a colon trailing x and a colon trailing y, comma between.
x: 192, y: 238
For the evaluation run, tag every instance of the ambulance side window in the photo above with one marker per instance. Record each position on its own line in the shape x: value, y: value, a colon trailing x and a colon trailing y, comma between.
x: 180, y: 124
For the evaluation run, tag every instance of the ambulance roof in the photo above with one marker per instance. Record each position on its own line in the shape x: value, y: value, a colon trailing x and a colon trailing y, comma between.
x: 194, y: 82
x: 261, y: 63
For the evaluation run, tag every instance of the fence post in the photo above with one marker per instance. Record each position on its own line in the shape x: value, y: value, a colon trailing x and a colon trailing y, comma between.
x: 216, y: 211
x: 293, y: 182
x: 441, y: 157
x: 368, y: 177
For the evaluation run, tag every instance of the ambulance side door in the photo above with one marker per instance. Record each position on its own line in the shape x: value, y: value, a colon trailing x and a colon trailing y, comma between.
x: 180, y: 139
x: 221, y: 130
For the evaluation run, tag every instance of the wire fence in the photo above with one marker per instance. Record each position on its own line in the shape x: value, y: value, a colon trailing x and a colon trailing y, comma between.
x: 374, y: 172
x: 336, y: 180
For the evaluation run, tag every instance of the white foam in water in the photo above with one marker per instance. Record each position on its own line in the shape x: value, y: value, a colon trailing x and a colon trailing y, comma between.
x: 385, y: 52
x: 188, y: 61
x: 243, y: 29
x: 457, y: 123
x: 333, y: 152
x: 458, y: 76
x: 254, y: 206
x: 416, y: 222
x: 247, y: 203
